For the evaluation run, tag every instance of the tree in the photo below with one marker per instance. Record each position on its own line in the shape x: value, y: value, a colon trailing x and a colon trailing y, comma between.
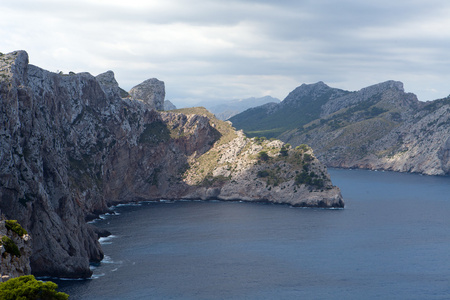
x: 263, y: 156
x: 27, y: 287
x: 284, y: 151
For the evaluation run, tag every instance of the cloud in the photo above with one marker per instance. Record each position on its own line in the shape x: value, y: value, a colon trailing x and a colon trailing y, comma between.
x: 211, y: 50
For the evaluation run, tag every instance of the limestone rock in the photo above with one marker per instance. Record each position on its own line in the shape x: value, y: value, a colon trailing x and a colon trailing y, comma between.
x: 169, y: 105
x: 151, y: 92
x: 109, y: 84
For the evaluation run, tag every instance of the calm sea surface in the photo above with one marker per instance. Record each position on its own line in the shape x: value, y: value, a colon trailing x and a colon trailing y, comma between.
x: 392, y: 241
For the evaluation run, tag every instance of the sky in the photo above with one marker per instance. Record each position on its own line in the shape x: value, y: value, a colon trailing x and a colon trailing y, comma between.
x: 215, y: 50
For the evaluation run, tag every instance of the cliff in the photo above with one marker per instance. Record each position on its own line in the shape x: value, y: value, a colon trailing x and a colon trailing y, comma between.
x: 71, y: 146
x: 377, y: 127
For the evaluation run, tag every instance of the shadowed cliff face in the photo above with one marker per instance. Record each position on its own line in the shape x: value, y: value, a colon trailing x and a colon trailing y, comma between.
x: 70, y: 147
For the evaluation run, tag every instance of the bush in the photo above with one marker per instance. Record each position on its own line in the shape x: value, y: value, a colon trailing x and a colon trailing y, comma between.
x: 303, y: 147
x: 263, y: 173
x: 307, y: 157
x: 14, y: 226
x: 10, y: 246
x: 284, y: 151
x: 263, y: 156
x: 27, y: 287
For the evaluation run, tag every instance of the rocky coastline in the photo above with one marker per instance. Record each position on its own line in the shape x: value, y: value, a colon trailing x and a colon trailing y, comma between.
x: 72, y: 145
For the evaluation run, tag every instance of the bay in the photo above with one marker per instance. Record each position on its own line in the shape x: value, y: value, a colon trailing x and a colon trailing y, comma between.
x: 392, y: 241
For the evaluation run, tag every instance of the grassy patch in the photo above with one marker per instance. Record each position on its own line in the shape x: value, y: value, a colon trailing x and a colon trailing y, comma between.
x: 14, y: 226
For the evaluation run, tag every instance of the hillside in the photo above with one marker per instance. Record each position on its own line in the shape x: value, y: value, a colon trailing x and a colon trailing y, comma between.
x: 378, y: 127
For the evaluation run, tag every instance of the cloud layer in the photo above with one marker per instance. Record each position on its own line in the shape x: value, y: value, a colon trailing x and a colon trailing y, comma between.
x: 207, y: 50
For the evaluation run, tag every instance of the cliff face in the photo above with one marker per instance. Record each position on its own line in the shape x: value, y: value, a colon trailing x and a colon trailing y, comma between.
x: 70, y: 146
x: 378, y: 127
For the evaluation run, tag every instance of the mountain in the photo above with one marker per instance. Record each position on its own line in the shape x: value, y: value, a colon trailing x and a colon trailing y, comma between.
x: 169, y: 105
x: 377, y: 127
x: 71, y: 146
x: 300, y: 107
x: 226, y: 110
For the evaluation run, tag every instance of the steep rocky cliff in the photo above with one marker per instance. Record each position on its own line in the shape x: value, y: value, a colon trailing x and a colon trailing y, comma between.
x: 378, y: 127
x: 70, y: 146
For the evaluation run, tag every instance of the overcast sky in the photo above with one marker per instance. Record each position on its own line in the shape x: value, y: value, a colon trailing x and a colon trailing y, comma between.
x: 206, y: 50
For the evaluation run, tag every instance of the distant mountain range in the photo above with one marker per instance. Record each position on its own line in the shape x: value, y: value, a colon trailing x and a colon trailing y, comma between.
x: 377, y: 127
x: 226, y: 110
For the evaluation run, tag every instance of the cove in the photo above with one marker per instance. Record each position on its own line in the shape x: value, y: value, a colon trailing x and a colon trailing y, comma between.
x: 392, y: 241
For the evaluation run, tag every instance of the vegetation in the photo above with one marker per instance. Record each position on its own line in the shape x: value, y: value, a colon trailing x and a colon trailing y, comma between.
x: 309, y: 178
x: 263, y: 156
x: 155, y: 133
x: 14, y: 226
x: 10, y: 246
x: 28, y: 288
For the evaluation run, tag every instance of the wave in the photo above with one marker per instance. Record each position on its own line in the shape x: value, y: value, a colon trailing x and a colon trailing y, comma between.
x: 106, y: 240
x: 129, y: 204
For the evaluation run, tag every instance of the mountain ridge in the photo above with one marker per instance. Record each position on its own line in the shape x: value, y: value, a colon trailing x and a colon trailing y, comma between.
x: 377, y: 127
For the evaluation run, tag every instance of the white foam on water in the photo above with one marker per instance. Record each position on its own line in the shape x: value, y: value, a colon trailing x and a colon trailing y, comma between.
x: 106, y: 240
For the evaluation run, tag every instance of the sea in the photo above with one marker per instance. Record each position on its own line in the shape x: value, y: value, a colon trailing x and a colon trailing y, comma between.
x: 391, y: 241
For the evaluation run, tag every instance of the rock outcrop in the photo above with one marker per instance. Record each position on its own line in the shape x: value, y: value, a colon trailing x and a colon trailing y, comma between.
x: 71, y: 146
x: 169, y: 105
x: 239, y: 168
x: 151, y: 92
x: 15, y: 251
x: 378, y: 127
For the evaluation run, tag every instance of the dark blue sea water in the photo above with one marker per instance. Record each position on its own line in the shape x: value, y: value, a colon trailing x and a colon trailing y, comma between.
x: 392, y: 241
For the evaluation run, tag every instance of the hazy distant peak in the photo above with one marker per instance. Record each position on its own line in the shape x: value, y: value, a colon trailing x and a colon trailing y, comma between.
x: 383, y: 86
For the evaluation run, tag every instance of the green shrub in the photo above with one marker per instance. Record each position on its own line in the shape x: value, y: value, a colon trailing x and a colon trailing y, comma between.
x: 15, y: 227
x: 10, y: 246
x: 284, y: 151
x: 263, y: 173
x: 303, y: 178
x: 155, y: 133
x: 263, y: 156
x: 302, y: 147
x: 307, y: 157
x: 27, y: 287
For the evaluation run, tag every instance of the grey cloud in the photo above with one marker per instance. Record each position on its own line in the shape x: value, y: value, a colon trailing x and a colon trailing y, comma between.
x: 350, y: 43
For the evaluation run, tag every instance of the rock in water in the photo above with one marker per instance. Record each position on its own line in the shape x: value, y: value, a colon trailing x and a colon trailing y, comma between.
x: 151, y: 92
